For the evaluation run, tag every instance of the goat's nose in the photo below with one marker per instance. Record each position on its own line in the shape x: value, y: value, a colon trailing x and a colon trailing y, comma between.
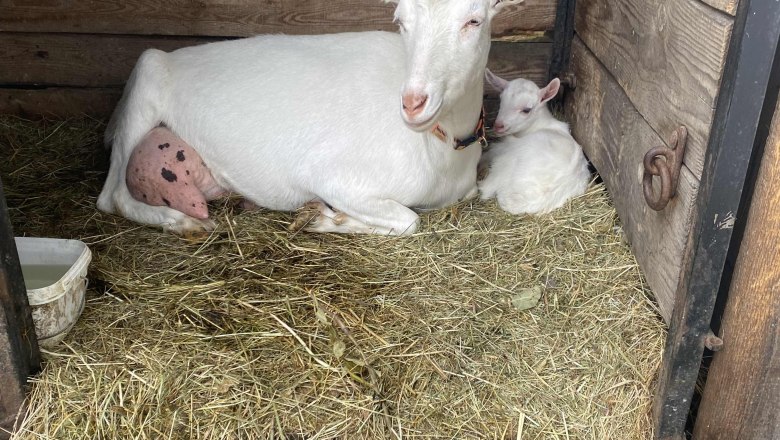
x: 414, y: 104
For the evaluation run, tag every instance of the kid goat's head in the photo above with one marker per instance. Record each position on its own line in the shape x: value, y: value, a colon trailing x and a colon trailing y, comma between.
x: 447, y: 44
x: 522, y: 102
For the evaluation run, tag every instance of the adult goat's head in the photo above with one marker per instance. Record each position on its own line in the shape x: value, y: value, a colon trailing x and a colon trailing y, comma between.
x: 447, y: 44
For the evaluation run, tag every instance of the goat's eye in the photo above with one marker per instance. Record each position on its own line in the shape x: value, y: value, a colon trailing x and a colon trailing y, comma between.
x: 526, y: 110
x: 473, y: 22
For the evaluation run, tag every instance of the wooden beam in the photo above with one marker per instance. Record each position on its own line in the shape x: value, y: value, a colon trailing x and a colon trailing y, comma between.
x: 742, y: 396
x: 94, y: 60
x: 237, y: 18
x: 58, y: 102
x: 82, y: 60
x: 19, y: 355
x: 615, y: 137
x: 95, y: 67
x: 667, y: 55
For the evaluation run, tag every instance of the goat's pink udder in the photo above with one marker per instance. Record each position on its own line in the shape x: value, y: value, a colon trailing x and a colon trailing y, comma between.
x: 208, y: 185
x: 163, y: 170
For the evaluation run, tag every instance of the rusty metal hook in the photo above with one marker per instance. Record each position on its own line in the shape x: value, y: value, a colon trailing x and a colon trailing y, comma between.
x: 664, y: 162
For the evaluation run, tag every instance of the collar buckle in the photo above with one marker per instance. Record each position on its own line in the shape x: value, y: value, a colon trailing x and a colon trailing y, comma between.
x: 477, y: 137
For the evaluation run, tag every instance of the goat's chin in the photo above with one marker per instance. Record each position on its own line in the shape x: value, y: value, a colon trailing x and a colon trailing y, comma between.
x: 423, y: 123
x: 420, y: 126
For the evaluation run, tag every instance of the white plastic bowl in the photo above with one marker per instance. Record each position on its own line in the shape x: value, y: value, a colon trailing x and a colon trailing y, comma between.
x: 56, y: 307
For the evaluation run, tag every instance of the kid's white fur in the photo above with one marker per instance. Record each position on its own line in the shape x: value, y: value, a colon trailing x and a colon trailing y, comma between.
x: 537, y: 166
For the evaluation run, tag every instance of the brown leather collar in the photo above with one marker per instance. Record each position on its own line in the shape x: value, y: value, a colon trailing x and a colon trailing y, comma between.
x: 459, y: 144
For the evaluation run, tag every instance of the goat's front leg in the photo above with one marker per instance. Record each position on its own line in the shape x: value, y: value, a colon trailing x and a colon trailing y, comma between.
x: 376, y: 216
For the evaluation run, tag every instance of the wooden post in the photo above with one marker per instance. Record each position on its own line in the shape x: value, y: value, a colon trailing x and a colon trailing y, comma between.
x: 742, y: 396
x: 19, y: 355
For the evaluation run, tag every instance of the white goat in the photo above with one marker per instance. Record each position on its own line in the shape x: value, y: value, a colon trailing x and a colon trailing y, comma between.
x: 284, y: 120
x: 537, y: 166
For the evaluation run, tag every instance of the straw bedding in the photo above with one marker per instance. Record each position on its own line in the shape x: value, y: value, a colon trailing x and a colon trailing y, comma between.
x: 257, y: 332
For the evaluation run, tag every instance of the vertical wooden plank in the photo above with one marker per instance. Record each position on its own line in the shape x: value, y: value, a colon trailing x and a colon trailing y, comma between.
x: 19, y: 355
x: 615, y: 137
x: 668, y: 56
x: 742, y: 396
x: 739, y: 128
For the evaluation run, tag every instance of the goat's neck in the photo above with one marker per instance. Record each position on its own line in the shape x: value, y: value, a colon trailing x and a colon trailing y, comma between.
x: 462, y: 118
x: 544, y: 121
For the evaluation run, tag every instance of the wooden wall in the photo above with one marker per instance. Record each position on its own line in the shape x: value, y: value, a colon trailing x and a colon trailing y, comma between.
x: 644, y: 68
x: 68, y: 57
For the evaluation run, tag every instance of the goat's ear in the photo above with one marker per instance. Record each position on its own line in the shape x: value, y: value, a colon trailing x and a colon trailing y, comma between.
x: 497, y: 5
x: 496, y: 81
x: 549, y: 91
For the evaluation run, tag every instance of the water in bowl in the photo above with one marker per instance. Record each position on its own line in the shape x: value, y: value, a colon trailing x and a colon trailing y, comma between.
x: 37, y: 276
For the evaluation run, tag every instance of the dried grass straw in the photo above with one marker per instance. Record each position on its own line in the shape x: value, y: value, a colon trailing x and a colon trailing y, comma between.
x: 260, y: 333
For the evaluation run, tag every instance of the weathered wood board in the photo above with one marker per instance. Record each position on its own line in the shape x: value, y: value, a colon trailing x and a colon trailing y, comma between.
x: 528, y: 60
x: 667, y: 55
x: 615, y: 137
x: 76, y: 67
x: 233, y: 17
x: 68, y: 57
x: 742, y: 396
x: 727, y: 6
x: 57, y: 102
x: 77, y: 60
x: 106, y: 60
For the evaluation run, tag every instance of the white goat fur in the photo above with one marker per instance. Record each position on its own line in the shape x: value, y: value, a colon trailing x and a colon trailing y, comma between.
x: 538, y: 165
x: 284, y: 120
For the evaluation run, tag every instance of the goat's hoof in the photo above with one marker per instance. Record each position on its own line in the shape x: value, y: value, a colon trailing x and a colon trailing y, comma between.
x: 191, y: 228
x: 340, y: 218
x: 195, y: 236
x: 306, y: 214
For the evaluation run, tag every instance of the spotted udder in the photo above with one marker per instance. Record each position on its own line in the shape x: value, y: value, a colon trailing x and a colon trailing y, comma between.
x: 165, y: 171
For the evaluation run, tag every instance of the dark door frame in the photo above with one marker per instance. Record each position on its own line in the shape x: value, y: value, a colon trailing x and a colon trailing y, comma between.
x: 19, y: 353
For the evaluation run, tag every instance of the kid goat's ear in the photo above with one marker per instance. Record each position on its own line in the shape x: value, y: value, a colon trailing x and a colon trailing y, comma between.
x: 550, y: 90
x: 496, y: 81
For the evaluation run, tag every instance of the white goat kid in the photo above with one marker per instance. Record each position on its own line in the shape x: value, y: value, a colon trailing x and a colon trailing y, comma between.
x: 537, y: 166
x: 285, y: 120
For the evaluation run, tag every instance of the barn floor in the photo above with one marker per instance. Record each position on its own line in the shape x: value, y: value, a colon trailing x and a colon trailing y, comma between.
x: 260, y: 333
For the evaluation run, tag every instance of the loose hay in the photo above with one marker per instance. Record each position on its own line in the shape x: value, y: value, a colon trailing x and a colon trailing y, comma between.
x: 261, y: 333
